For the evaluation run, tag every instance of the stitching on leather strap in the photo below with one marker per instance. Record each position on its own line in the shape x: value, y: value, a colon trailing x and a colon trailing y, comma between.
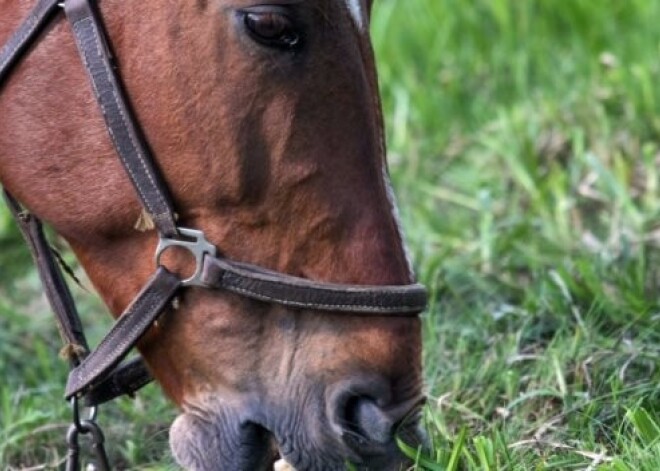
x: 78, y: 27
x: 130, y: 327
x: 27, y: 29
x: 324, y: 306
x: 261, y: 285
x: 22, y: 36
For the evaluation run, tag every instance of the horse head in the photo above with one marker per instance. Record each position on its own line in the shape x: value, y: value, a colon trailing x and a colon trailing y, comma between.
x: 264, y: 118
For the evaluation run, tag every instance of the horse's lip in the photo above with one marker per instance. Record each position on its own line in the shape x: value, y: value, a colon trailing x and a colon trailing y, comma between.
x: 362, y: 452
x: 330, y: 446
x: 198, y: 437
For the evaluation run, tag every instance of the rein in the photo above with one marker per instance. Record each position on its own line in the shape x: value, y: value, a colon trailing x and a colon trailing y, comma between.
x: 100, y: 376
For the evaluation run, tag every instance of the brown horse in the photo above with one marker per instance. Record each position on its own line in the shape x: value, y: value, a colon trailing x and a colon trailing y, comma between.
x: 264, y: 117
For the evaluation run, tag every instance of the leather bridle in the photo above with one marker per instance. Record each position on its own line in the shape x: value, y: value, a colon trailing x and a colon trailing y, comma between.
x: 99, y: 376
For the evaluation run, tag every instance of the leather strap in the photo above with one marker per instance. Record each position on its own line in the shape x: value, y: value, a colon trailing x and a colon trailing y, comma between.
x: 149, y: 304
x: 126, y: 380
x: 269, y: 286
x: 52, y: 279
x: 25, y: 35
x: 123, y: 128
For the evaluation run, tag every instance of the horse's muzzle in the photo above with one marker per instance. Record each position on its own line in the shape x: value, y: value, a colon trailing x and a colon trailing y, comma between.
x: 356, y: 420
x: 366, y: 418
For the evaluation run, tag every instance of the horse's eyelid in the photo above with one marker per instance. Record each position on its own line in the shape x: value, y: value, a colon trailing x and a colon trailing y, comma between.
x: 294, y: 45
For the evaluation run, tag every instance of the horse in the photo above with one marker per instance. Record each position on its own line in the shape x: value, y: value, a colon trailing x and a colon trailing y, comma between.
x: 264, y: 121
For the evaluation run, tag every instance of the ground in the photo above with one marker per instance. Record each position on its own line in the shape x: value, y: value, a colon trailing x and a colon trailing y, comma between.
x: 524, y: 147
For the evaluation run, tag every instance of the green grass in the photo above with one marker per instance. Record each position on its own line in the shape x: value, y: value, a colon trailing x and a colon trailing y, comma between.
x: 525, y: 148
x: 33, y: 415
x: 524, y: 142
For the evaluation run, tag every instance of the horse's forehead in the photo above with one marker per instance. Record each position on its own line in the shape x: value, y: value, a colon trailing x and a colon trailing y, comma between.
x: 357, y: 12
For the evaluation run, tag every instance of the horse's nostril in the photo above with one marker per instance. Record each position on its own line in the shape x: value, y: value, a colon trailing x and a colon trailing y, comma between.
x: 361, y: 411
x: 364, y: 417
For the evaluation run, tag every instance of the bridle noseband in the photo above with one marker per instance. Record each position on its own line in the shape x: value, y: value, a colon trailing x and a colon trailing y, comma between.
x: 99, y: 376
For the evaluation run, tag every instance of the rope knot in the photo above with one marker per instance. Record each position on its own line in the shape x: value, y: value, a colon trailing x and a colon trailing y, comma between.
x: 72, y: 351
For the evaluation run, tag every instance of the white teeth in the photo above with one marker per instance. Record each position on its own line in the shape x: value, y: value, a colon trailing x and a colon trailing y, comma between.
x: 282, y: 465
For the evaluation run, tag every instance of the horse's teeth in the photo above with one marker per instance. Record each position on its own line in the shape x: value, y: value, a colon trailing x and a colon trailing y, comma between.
x: 282, y: 465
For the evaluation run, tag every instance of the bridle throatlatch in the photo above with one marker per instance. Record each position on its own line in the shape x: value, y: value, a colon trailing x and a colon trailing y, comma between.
x: 99, y: 376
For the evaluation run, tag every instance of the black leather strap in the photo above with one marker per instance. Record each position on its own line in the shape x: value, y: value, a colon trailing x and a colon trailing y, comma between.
x: 125, y: 380
x: 52, y: 279
x: 269, y: 286
x: 25, y: 35
x: 124, y: 130
x: 152, y: 301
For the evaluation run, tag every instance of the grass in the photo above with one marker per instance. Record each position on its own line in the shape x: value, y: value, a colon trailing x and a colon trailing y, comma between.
x: 33, y: 416
x: 524, y: 145
x: 524, y: 138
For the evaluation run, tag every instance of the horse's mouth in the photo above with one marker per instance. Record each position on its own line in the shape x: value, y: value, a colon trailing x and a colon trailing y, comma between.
x: 201, y: 446
x: 223, y: 440
x: 239, y: 437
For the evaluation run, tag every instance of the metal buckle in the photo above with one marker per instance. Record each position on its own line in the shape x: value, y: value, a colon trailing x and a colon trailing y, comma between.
x: 197, y: 245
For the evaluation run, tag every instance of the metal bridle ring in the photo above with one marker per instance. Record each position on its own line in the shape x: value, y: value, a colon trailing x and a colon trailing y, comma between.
x: 80, y: 425
x: 196, y: 244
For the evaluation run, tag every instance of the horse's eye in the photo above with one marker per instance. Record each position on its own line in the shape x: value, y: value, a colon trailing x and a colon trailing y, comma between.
x: 272, y: 29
